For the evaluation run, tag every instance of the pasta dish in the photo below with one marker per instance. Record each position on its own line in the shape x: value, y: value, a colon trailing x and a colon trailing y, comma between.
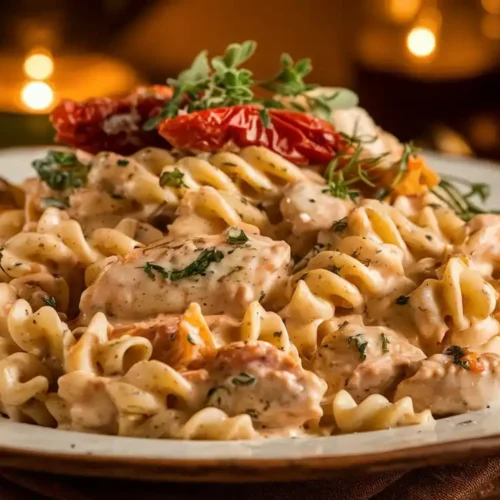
x: 224, y: 258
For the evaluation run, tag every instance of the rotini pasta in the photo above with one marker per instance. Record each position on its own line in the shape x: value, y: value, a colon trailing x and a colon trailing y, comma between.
x: 264, y: 274
x: 376, y: 413
x: 459, y: 305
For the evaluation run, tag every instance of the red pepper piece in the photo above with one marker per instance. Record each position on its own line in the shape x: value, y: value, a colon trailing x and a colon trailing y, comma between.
x: 106, y: 124
x: 298, y: 137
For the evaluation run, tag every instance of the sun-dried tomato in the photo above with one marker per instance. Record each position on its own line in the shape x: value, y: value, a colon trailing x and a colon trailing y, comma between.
x: 106, y: 124
x: 298, y: 137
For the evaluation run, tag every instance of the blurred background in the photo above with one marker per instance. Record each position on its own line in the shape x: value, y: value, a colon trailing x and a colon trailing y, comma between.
x: 425, y: 69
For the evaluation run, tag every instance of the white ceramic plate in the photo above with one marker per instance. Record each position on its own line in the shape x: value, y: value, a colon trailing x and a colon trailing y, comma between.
x: 453, y: 439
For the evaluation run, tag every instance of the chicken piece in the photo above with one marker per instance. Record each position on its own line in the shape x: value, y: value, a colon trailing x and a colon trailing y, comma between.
x: 363, y: 360
x: 308, y: 209
x: 450, y: 384
x: 94, y: 209
x: 262, y: 381
x: 125, y: 176
x: 165, y: 277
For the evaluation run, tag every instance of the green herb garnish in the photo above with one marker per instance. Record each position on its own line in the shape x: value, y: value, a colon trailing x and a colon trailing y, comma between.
x: 213, y: 84
x: 50, y: 301
x: 340, y: 225
x: 149, y: 267
x: 244, y: 379
x: 409, y: 150
x: 191, y: 340
x: 277, y: 335
x: 213, y: 390
x: 173, y: 179
x: 198, y: 267
x: 385, y: 342
x: 458, y: 353
x: 459, y: 202
x: 122, y: 163
x: 221, y: 82
x: 236, y: 236
x: 356, y: 170
x: 402, y: 300
x: 361, y: 345
x: 61, y: 170
x: 264, y: 117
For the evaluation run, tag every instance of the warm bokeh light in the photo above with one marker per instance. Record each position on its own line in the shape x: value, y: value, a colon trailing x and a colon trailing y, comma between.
x: 38, y: 66
x: 402, y: 11
x: 490, y: 26
x: 491, y: 6
x: 37, y: 95
x: 421, y: 42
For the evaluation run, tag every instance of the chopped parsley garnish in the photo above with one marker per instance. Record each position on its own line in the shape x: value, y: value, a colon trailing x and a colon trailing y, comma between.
x: 340, y: 225
x: 50, y: 301
x: 198, y: 267
x: 213, y: 390
x: 236, y: 236
x: 173, y: 179
x: 61, y: 170
x: 361, y: 345
x: 244, y: 379
x: 402, y: 300
x: 149, y: 267
x: 277, y: 335
x: 122, y: 163
x: 458, y: 353
x: 190, y: 339
x: 385, y: 342
x: 55, y: 202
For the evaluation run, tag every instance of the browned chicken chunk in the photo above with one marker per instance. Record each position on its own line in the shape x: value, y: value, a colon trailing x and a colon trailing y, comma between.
x: 262, y: 381
x: 222, y: 273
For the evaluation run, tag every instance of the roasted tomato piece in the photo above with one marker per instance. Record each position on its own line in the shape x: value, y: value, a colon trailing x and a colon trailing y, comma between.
x: 111, y: 124
x: 298, y: 137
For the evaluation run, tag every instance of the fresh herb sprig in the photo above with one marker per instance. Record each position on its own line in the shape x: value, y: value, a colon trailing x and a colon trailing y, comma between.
x: 222, y: 82
x: 409, y: 151
x: 462, y: 203
x: 197, y: 267
x: 356, y: 170
x: 211, y: 84
x: 61, y: 170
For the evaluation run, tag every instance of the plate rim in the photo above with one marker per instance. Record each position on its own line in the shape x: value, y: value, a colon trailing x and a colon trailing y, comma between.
x: 239, y: 469
x: 229, y: 470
